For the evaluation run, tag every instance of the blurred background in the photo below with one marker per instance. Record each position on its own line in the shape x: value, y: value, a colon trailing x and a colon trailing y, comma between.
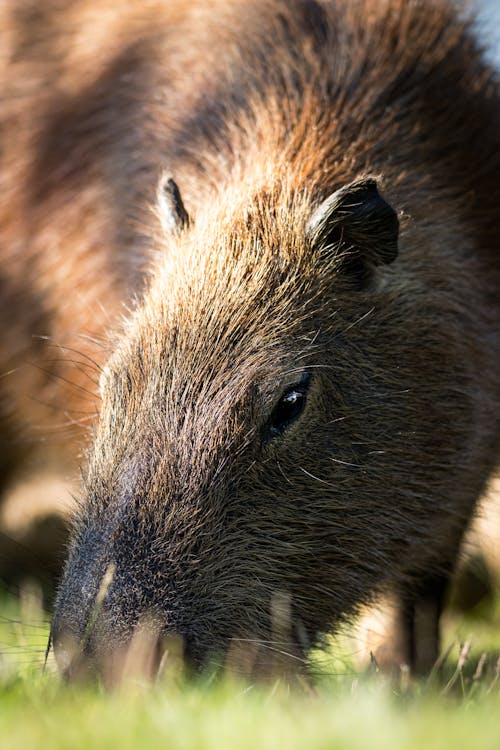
x: 489, y: 27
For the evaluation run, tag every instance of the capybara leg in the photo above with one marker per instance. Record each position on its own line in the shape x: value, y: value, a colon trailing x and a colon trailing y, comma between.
x: 412, y: 638
x: 424, y: 635
x: 394, y: 653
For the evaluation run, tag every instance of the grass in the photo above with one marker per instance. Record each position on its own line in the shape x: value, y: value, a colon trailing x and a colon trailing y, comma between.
x: 345, y: 708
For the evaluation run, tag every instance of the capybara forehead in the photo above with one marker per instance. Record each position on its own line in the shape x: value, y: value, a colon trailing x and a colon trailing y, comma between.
x: 244, y: 285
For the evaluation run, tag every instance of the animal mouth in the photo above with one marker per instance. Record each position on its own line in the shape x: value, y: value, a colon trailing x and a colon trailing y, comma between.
x: 114, y: 645
x: 138, y: 658
x: 150, y: 653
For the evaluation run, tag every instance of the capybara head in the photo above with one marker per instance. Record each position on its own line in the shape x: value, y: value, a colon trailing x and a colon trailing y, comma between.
x: 259, y: 463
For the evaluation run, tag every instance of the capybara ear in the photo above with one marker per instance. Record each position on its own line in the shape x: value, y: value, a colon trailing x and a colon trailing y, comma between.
x: 357, y: 226
x: 173, y: 215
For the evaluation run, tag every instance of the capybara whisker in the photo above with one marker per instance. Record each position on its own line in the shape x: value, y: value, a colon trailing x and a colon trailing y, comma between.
x: 91, y: 362
x: 56, y: 375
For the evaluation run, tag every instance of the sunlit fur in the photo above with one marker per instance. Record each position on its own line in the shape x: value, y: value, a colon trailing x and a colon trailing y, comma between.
x: 260, y: 110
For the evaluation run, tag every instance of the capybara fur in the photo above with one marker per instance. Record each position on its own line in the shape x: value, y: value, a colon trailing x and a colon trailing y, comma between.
x: 270, y: 230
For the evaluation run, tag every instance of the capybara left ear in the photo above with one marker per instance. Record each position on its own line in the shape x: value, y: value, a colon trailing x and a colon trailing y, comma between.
x: 173, y: 215
x: 357, y: 226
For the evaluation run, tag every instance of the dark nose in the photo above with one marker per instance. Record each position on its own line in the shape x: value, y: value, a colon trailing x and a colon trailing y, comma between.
x: 80, y: 625
x: 70, y: 650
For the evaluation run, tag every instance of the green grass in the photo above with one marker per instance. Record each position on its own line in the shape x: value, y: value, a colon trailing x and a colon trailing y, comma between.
x: 343, y: 709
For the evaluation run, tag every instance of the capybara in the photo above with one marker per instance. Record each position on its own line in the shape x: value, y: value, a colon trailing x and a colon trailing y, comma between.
x: 268, y: 228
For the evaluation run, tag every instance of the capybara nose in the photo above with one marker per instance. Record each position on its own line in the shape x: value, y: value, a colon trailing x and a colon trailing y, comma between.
x: 67, y: 651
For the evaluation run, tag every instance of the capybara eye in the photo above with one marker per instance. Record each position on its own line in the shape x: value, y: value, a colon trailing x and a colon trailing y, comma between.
x: 289, y: 407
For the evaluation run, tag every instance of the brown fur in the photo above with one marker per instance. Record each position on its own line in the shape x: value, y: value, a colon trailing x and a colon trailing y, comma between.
x: 260, y: 111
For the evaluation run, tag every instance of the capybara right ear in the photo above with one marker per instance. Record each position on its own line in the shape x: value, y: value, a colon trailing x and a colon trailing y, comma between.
x: 173, y: 216
x: 357, y: 227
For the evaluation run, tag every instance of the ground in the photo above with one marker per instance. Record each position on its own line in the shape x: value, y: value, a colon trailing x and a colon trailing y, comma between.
x: 345, y: 706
